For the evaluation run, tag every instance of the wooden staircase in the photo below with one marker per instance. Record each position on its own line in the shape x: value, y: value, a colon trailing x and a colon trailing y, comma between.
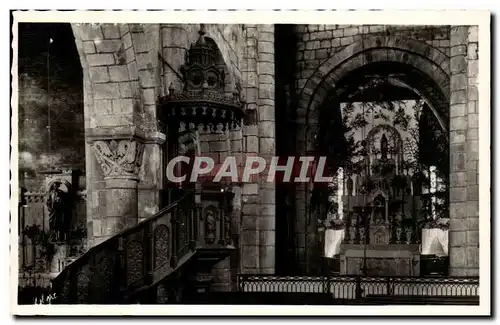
x: 128, y: 267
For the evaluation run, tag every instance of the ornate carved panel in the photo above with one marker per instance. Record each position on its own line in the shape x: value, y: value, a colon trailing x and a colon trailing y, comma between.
x: 119, y: 157
x: 82, y: 285
x: 135, y: 261
x: 105, y: 271
x: 161, y: 238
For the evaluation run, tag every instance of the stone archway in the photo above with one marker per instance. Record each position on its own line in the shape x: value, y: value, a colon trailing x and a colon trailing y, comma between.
x: 416, y: 55
x: 418, y: 67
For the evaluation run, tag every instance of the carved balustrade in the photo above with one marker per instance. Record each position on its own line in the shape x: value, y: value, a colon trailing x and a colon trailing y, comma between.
x: 139, y: 257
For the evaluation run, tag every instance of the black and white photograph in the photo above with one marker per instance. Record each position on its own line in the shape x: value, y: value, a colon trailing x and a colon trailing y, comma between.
x: 339, y: 162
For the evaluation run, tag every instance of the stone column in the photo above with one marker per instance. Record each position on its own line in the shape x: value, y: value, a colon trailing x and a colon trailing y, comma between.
x: 249, y: 231
x: 464, y: 152
x: 267, y: 148
x: 120, y: 160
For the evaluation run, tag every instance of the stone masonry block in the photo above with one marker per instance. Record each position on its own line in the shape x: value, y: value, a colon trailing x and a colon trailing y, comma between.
x: 126, y: 89
x: 100, y: 59
x: 99, y: 74
x: 265, y: 47
x: 338, y: 33
x: 458, y: 110
x: 110, y: 31
x: 472, y: 209
x: 267, y: 222
x: 146, y: 78
x: 313, y: 45
x: 472, y: 49
x: 472, y: 107
x: 149, y: 96
x: 458, y: 123
x: 458, y: 179
x: 102, y: 107
x: 458, y: 50
x: 346, y: 40
x: 457, y: 225
x: 473, y: 33
x: 88, y: 47
x: 458, y: 210
x: 140, y: 43
x: 108, y: 46
x: 266, y: 92
x: 106, y: 91
x: 472, y: 177
x: 458, y: 238
x: 250, y: 256
x: 267, y: 237
x: 265, y: 68
x: 267, y: 196
x: 123, y: 106
x: 459, y: 81
x: 458, y: 97
x: 458, y: 257
x: 249, y: 237
x: 90, y: 32
x: 267, y: 129
x: 268, y: 210
x: 458, y: 136
x: 473, y: 68
x: 266, y: 79
x: 267, y: 257
x: 351, y: 31
x: 118, y: 73
x: 266, y: 113
x: 472, y: 223
x: 250, y: 189
x: 472, y: 256
x: 473, y: 120
x: 267, y: 145
x: 458, y: 194
x: 458, y: 64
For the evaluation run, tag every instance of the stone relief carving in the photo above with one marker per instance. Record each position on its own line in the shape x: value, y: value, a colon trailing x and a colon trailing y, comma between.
x: 119, y: 157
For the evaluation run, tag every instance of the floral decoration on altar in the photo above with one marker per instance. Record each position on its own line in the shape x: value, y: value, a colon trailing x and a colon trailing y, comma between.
x: 331, y: 222
x: 441, y: 223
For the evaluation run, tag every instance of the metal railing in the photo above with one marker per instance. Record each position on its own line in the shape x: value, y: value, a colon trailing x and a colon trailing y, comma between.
x: 134, y: 259
x: 358, y: 287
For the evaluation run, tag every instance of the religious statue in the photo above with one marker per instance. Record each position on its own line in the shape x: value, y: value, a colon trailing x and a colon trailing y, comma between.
x: 59, y: 213
x: 210, y: 227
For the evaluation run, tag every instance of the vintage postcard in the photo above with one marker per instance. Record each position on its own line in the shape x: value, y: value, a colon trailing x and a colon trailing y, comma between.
x: 250, y: 163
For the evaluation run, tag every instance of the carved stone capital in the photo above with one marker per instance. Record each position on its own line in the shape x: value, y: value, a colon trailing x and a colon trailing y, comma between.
x: 119, y: 157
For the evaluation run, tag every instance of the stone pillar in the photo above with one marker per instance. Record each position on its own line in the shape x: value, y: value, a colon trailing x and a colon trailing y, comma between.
x: 120, y: 161
x: 249, y: 243
x: 464, y: 152
x: 267, y: 148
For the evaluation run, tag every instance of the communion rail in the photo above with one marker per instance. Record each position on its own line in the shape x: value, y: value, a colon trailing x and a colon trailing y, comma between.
x: 359, y: 287
x: 135, y: 259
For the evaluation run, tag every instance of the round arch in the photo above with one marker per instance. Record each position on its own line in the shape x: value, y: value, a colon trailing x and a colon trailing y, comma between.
x: 426, y: 66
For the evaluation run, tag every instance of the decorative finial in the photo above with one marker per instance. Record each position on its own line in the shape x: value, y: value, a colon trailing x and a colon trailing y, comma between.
x: 202, y: 31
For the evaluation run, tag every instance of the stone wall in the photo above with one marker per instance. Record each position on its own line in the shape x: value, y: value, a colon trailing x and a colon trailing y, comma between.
x: 49, y: 77
x: 319, y: 42
x: 464, y: 145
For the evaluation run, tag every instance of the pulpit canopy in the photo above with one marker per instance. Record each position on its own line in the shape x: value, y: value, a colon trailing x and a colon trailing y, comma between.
x: 203, y: 101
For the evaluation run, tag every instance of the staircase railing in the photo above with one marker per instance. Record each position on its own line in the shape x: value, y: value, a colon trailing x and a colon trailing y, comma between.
x: 134, y: 259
